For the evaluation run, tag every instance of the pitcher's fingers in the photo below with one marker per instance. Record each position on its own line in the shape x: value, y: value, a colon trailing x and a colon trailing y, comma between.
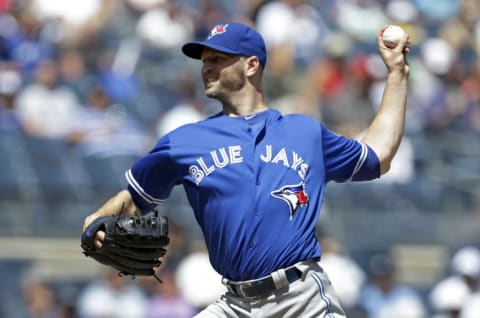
x: 99, y: 237
x: 380, y: 36
x: 403, y: 44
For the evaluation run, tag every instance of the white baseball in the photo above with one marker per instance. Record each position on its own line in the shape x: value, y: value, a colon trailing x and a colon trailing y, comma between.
x: 392, y: 35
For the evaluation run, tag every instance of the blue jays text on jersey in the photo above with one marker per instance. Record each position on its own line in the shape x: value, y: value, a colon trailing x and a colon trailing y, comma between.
x: 255, y: 184
x: 233, y: 155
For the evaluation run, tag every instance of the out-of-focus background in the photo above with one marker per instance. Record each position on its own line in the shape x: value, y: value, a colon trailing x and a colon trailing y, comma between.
x: 87, y: 87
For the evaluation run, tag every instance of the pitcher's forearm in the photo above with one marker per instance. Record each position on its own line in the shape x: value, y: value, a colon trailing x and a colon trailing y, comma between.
x: 385, y: 132
x: 120, y: 203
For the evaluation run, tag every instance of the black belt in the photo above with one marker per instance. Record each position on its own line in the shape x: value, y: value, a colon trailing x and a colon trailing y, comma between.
x: 261, y: 287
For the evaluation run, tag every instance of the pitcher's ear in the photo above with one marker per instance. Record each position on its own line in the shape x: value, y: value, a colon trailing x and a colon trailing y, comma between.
x: 253, y: 65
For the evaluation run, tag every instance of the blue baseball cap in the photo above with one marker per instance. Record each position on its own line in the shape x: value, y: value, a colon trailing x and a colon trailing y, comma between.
x: 231, y: 38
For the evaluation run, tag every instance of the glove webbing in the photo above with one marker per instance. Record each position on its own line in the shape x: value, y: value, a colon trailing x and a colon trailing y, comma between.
x: 124, y: 273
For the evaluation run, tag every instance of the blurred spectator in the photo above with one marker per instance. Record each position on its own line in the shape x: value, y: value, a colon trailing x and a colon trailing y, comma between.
x: 450, y: 294
x: 198, y: 282
x: 181, y: 114
x: 6, y: 5
x: 403, y: 11
x: 176, y: 25
x: 179, y: 241
x: 8, y: 27
x: 294, y: 26
x: 384, y: 297
x: 25, y: 41
x: 10, y: 83
x: 471, y: 90
x: 105, y: 129
x: 45, y: 107
x: 188, y: 109
x: 39, y: 299
x: 346, y: 275
x: 325, y: 82
x: 70, y: 22
x: 402, y: 169
x: 74, y: 72
x: 466, y: 263
x: 437, y: 55
x: 471, y: 306
x: 437, y: 10
x: 360, y: 18
x: 292, y: 30
x: 208, y: 14
x: 72, y: 15
x: 144, y: 5
x: 324, y: 92
x: 116, y: 72
x: 112, y: 296
x: 427, y: 90
x: 166, y: 301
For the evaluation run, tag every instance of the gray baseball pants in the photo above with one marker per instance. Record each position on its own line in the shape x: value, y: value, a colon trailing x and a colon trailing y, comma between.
x: 310, y: 296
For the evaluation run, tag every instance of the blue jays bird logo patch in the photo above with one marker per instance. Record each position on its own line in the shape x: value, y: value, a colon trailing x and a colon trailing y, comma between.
x: 218, y: 29
x: 294, y: 195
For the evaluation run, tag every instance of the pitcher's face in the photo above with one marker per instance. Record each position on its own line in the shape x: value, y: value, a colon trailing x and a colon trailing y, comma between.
x: 222, y: 73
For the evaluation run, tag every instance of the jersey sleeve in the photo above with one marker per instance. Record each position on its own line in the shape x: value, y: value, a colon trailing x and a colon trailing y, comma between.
x: 347, y: 159
x: 151, y: 178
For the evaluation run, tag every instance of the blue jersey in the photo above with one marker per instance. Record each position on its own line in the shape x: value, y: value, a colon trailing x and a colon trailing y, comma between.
x: 255, y: 184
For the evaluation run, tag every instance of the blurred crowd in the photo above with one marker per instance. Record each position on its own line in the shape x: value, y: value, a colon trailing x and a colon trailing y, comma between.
x: 100, y: 72
x: 107, y: 78
x: 189, y: 284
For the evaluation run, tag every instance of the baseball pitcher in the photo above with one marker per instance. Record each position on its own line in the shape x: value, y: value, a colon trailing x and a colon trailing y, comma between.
x: 255, y: 179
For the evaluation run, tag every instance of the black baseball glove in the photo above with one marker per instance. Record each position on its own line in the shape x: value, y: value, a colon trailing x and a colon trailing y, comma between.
x: 132, y: 244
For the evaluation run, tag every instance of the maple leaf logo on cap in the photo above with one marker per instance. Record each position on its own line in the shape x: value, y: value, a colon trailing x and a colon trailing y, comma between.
x: 218, y: 29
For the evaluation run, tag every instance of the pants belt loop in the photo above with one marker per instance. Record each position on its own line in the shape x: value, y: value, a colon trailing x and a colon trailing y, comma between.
x: 225, y: 281
x: 280, y: 279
